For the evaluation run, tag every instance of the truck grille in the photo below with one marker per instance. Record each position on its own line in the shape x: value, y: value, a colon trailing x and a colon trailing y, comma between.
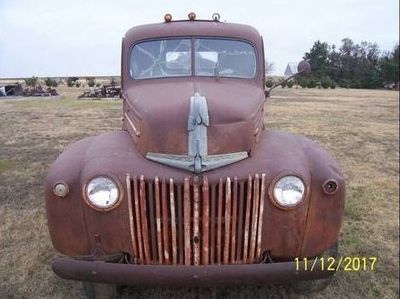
x: 194, y: 222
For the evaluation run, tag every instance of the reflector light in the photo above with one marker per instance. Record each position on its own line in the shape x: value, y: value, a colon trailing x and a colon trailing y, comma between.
x: 192, y: 16
x: 168, y: 18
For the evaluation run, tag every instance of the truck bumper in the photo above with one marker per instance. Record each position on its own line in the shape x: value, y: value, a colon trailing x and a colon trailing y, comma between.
x: 179, y: 275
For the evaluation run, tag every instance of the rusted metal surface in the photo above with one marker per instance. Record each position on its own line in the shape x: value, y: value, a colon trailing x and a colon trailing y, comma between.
x: 106, y: 91
x: 198, y: 219
x: 162, y: 209
x: 219, y: 221
x: 205, y: 223
x: 173, y: 223
x: 260, y: 215
x: 140, y: 95
x: 227, y: 219
x: 130, y: 211
x: 143, y: 217
x: 138, y: 221
x: 240, y: 222
x: 254, y: 218
x: 234, y: 219
x: 284, y: 233
x: 37, y: 91
x: 213, y: 223
x: 181, y: 247
x: 189, y: 276
x: 186, y: 219
x: 247, y: 220
x: 165, y: 226
x: 158, y: 220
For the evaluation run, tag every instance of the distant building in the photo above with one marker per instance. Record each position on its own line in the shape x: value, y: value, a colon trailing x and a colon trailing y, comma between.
x: 291, y: 69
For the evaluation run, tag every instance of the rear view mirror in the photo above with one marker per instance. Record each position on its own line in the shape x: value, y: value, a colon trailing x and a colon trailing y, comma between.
x: 303, y: 68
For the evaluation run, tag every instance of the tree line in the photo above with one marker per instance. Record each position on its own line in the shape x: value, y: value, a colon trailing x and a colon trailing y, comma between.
x: 351, y: 65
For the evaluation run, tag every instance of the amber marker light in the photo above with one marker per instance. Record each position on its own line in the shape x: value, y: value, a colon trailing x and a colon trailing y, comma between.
x: 167, y: 18
x: 192, y: 16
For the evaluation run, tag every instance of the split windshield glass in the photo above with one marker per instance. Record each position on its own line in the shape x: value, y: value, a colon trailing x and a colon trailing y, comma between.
x: 173, y: 58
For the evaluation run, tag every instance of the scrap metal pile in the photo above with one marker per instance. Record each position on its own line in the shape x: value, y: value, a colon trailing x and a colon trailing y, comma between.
x: 37, y: 91
x: 106, y: 91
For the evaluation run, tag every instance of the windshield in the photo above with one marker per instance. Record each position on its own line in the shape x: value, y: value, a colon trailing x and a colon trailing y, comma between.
x: 212, y: 57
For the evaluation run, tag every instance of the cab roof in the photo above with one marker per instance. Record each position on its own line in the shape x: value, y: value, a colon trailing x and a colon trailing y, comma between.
x: 193, y: 28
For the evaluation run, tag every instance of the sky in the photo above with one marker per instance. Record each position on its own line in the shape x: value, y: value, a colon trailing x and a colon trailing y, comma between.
x: 83, y: 38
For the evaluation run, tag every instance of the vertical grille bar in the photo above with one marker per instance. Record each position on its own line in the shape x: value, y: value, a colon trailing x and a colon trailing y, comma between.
x: 180, y: 226
x: 130, y: 212
x: 228, y: 213
x: 152, y: 223
x: 205, y: 223
x: 186, y: 220
x: 143, y: 209
x: 158, y: 220
x: 261, y: 213
x: 165, y: 220
x: 219, y: 221
x: 247, y: 219
x: 234, y: 219
x: 254, y: 217
x: 173, y: 222
x: 212, y: 230
x: 137, y: 217
x: 240, y: 222
x: 196, y: 220
x: 192, y: 225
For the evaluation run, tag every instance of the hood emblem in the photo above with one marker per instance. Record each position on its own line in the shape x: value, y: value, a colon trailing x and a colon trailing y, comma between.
x: 197, y: 159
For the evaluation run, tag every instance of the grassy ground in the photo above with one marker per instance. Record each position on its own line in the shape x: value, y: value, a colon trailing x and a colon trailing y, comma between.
x: 359, y: 127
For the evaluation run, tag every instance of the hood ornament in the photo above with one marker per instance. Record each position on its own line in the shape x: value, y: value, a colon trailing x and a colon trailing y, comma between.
x: 197, y: 159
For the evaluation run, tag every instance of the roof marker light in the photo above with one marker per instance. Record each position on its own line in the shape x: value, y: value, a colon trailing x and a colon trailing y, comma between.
x: 192, y: 16
x: 168, y: 18
x: 216, y: 17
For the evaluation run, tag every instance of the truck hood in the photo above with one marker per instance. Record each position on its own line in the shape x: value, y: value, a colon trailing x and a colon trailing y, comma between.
x: 157, y: 115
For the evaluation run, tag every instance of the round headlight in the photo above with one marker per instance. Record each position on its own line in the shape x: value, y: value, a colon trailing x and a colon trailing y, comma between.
x: 102, y: 193
x: 289, y: 191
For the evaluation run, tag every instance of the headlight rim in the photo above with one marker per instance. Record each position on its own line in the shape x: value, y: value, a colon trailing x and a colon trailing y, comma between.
x: 272, y: 187
x: 115, y: 180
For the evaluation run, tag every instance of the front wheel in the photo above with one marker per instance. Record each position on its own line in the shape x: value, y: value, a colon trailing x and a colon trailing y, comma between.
x: 101, y: 290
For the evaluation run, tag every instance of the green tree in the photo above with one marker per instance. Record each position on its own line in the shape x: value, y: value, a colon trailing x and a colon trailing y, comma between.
x: 71, y: 81
x: 50, y: 82
x: 390, y: 66
x: 318, y: 57
x: 90, y: 82
x: 31, y: 81
x: 352, y: 65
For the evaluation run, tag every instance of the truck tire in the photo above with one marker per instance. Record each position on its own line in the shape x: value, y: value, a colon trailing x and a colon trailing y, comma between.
x: 101, y: 290
x: 310, y: 286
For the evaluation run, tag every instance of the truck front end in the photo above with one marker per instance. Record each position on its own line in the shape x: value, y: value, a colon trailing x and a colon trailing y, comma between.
x: 193, y: 190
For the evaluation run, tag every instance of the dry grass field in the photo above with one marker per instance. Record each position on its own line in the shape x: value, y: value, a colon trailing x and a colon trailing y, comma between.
x: 359, y: 127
